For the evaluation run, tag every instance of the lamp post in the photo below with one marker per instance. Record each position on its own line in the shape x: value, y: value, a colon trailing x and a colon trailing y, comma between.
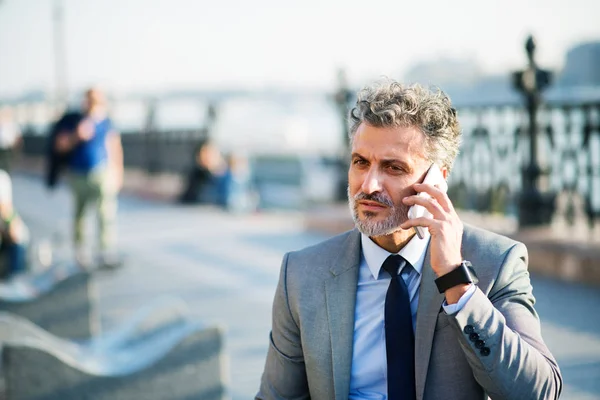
x: 535, y: 208
x: 60, y: 64
x: 342, y: 98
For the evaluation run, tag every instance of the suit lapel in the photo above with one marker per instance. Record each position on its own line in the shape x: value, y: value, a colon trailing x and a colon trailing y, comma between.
x: 340, y: 290
x: 430, y: 301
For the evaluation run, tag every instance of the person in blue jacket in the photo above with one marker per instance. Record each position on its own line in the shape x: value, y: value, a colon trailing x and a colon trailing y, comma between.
x: 95, y: 166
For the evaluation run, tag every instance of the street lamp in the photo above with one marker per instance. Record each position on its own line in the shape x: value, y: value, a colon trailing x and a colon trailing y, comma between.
x: 342, y: 98
x: 60, y: 64
x: 535, y: 208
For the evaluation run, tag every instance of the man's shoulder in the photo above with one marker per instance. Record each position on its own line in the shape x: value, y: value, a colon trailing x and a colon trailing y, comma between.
x: 478, y: 242
x: 106, y: 123
x: 332, y: 251
x: 68, y: 121
x: 327, y: 247
x: 311, y: 265
x: 480, y: 235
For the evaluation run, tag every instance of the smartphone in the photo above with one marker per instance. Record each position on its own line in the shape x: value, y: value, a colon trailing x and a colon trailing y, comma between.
x: 434, y: 177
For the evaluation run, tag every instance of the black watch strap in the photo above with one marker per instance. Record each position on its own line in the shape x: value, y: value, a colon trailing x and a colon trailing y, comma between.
x: 459, y: 275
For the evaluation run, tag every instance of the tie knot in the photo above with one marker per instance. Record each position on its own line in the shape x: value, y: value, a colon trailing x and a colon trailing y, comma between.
x: 393, y: 264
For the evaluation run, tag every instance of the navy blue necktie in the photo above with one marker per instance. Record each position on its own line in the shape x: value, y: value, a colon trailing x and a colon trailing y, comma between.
x: 399, y: 336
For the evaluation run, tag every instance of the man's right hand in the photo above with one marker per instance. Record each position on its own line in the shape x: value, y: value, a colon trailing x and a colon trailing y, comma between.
x: 85, y: 130
x: 66, y: 140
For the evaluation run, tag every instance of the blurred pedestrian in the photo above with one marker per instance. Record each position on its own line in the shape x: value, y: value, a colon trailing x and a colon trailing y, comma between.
x: 204, y: 183
x: 236, y: 190
x: 14, y: 234
x: 10, y: 137
x: 95, y: 164
x: 57, y: 161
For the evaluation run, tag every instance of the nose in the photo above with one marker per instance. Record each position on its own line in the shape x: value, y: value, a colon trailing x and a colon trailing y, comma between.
x: 372, y: 182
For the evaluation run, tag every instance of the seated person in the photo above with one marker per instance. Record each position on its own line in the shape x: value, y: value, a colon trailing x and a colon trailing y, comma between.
x: 236, y: 192
x: 205, y: 176
x: 14, y: 235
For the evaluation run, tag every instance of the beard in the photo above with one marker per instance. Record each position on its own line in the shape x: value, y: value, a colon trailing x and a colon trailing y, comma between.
x: 368, y: 225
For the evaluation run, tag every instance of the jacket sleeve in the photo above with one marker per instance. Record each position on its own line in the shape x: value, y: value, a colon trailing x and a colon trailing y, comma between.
x: 501, y: 336
x: 284, y: 376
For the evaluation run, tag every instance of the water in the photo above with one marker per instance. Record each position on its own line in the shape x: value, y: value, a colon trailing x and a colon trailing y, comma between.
x: 250, y: 124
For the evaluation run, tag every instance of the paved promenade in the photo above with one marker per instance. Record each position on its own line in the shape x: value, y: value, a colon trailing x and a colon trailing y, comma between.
x: 226, y: 267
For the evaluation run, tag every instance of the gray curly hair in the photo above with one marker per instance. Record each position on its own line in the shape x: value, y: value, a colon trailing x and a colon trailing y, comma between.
x: 391, y: 104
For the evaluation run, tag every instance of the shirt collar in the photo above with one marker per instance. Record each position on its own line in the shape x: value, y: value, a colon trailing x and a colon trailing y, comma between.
x: 413, y: 252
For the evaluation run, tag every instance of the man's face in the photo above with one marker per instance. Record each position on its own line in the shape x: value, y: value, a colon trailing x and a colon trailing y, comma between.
x: 94, y: 98
x: 385, y: 163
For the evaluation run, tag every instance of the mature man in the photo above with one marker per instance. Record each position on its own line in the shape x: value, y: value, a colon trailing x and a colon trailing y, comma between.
x: 378, y: 312
x: 95, y: 161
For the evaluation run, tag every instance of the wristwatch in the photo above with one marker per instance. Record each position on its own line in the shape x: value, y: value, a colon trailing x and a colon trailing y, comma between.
x: 459, y: 275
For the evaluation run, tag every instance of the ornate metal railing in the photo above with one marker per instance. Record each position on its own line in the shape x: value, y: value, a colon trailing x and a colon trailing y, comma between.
x: 487, y: 176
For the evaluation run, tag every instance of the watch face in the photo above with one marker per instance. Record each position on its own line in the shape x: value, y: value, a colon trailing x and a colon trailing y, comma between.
x: 457, y: 276
x: 472, y: 272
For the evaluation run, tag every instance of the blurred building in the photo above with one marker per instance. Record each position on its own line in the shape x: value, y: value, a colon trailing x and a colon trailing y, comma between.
x: 445, y: 72
x: 582, y: 66
x: 463, y: 79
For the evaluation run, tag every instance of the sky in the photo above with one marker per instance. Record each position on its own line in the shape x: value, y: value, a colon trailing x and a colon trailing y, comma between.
x: 154, y: 45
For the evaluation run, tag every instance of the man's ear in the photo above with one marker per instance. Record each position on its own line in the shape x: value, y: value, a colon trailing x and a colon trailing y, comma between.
x: 445, y: 172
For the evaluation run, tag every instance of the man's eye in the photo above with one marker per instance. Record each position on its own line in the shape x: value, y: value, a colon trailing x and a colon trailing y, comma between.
x: 359, y: 162
x: 395, y: 168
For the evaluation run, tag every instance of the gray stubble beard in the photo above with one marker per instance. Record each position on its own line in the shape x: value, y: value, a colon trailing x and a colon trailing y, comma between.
x: 398, y: 214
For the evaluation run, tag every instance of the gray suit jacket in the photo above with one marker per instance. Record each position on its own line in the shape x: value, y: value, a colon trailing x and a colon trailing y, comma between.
x: 310, y: 352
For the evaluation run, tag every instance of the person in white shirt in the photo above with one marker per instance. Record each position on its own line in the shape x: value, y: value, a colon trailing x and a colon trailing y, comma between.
x: 10, y: 136
x: 13, y: 231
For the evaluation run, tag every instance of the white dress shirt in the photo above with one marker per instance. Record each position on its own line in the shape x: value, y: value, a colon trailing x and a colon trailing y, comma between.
x: 9, y: 133
x: 368, y: 379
